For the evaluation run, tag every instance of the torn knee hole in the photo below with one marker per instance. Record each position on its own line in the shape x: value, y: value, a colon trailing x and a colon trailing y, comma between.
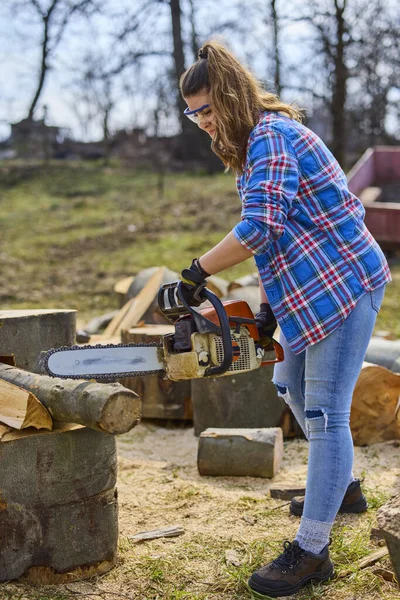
x: 312, y: 414
x: 281, y: 389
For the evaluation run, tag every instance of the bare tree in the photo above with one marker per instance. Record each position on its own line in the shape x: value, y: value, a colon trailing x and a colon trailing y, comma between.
x: 54, y: 18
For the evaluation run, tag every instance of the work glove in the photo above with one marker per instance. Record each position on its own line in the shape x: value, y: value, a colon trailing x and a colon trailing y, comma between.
x: 194, y: 281
x: 266, y: 325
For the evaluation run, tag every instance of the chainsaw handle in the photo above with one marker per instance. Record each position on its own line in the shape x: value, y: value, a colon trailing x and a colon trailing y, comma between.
x: 223, y: 330
x: 226, y: 335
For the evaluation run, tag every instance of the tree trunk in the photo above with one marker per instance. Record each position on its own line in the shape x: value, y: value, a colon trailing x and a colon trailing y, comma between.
x: 193, y: 144
x: 339, y: 89
x: 388, y: 517
x: 107, y: 407
x: 46, y: 19
x: 277, y: 57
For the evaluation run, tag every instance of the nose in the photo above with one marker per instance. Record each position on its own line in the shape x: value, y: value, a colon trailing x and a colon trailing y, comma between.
x: 204, y: 123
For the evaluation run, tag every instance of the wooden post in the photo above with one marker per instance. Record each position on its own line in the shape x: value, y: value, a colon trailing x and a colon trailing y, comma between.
x: 105, y: 407
x: 388, y: 517
x: 58, y: 504
x: 27, y: 333
x: 240, y: 452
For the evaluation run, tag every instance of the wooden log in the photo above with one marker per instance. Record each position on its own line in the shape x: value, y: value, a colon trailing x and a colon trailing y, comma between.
x: 388, y: 517
x: 20, y: 408
x: 161, y: 398
x: 244, y: 400
x: 240, y: 452
x: 107, y: 407
x: 373, y: 411
x: 58, y: 506
x: 287, y: 492
x: 27, y: 333
x: 385, y: 353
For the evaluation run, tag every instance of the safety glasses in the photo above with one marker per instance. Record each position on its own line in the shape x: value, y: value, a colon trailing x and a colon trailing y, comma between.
x: 194, y: 115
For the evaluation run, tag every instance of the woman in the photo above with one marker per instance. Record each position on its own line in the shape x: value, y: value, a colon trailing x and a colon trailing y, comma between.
x: 322, y: 277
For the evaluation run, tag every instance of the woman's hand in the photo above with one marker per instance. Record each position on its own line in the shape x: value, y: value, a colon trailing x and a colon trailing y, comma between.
x: 194, y: 281
x: 266, y: 324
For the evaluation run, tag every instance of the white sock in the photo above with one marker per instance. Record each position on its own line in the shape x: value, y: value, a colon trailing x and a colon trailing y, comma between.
x: 313, y: 536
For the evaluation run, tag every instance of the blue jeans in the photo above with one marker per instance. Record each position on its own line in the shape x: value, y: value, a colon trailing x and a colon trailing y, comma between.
x: 318, y: 385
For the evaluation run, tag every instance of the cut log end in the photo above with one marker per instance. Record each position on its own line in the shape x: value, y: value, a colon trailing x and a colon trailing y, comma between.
x: 121, y: 412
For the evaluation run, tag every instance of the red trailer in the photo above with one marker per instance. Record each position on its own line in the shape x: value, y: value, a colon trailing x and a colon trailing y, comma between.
x: 375, y: 179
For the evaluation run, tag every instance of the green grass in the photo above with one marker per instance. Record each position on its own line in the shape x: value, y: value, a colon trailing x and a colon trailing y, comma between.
x: 69, y: 231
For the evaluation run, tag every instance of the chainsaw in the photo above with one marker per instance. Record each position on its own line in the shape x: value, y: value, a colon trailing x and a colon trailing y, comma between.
x: 210, y: 342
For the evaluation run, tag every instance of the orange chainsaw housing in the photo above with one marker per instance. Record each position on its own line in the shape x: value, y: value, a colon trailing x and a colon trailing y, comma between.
x: 240, y: 308
x: 234, y: 308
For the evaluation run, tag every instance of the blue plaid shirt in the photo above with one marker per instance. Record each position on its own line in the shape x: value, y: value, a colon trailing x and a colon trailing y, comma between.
x: 306, y: 229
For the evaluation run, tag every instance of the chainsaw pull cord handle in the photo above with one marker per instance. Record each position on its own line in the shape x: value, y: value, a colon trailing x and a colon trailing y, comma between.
x: 224, y: 327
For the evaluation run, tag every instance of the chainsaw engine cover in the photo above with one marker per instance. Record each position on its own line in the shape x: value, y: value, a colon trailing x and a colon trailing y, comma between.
x: 207, y: 351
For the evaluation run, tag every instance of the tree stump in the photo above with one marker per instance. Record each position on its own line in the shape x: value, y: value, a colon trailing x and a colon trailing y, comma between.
x: 58, y: 504
x: 388, y: 517
x: 240, y: 452
x: 27, y: 333
x: 243, y: 400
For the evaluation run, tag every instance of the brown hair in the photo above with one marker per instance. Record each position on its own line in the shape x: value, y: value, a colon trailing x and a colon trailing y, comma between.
x: 237, y: 97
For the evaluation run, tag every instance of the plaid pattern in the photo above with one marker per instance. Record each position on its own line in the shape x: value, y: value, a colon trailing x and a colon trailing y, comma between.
x: 315, y: 256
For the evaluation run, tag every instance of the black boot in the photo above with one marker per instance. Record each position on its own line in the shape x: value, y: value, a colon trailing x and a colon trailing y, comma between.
x: 293, y: 569
x: 354, y: 501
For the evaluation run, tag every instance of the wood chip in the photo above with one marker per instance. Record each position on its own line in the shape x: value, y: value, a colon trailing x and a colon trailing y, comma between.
x: 232, y: 558
x: 287, y: 492
x: 152, y: 534
x: 384, y: 573
x: 367, y: 561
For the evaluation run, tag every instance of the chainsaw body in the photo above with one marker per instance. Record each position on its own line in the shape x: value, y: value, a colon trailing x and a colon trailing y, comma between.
x: 216, y: 341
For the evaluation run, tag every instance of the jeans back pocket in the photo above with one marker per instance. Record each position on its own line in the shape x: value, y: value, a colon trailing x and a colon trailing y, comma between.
x: 377, y: 298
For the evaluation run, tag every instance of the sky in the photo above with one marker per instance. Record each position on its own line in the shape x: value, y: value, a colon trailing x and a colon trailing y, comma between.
x: 20, y: 34
x: 20, y: 58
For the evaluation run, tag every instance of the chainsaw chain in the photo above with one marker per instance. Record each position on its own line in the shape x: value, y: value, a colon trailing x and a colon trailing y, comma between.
x: 107, y: 375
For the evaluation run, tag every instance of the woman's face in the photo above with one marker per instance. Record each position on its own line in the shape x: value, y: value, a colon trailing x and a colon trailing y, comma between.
x: 205, y: 118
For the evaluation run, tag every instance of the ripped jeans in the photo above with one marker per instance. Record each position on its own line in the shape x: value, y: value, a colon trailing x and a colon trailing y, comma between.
x: 318, y: 385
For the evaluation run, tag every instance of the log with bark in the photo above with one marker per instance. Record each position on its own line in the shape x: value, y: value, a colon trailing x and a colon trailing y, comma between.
x: 107, y: 407
x: 375, y: 401
x: 240, y: 452
x: 20, y: 408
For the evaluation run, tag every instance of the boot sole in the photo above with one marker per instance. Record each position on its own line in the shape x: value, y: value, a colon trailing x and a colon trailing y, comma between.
x: 356, y: 507
x: 261, y: 593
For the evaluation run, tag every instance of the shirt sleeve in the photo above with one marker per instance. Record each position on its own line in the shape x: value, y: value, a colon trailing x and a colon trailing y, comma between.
x: 272, y: 184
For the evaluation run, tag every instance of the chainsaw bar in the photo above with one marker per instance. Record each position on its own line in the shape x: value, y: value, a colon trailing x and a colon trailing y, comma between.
x: 66, y: 362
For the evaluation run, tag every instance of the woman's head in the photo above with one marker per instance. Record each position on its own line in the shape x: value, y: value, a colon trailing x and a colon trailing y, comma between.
x: 235, y: 99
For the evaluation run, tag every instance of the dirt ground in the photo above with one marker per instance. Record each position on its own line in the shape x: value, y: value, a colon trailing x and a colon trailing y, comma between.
x: 225, y: 520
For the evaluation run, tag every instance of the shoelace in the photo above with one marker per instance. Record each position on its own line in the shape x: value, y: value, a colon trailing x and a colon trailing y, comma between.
x: 289, y: 559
